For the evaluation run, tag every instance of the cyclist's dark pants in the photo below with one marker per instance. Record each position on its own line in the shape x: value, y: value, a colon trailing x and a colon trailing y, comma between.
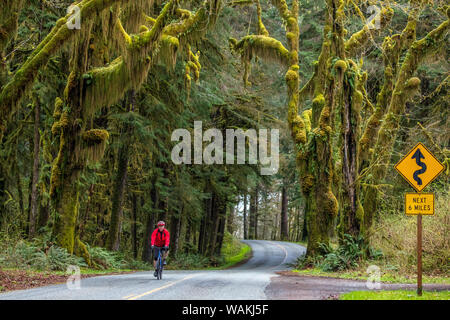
x: 156, y: 251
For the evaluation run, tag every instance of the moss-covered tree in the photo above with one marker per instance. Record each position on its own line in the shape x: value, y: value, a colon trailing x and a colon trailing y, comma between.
x: 338, y: 96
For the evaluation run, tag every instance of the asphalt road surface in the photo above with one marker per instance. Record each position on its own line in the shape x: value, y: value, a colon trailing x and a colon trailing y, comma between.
x: 247, y: 281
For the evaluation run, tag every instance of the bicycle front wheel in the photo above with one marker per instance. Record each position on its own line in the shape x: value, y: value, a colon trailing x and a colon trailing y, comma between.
x: 160, y: 274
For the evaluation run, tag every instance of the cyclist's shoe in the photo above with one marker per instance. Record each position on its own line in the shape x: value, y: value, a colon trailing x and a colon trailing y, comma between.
x: 155, y: 273
x: 164, y: 262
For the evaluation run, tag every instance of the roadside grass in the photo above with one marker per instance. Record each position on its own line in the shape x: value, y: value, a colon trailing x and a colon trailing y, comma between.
x: 244, y: 253
x: 388, y: 277
x: 302, y: 243
x: 83, y: 270
x: 396, y: 236
x: 394, y: 240
x: 102, y: 272
x: 395, y: 295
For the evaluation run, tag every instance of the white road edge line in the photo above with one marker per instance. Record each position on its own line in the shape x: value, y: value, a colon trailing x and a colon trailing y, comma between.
x: 160, y: 288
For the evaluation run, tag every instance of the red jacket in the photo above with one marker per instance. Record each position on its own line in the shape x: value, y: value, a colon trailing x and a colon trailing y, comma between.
x: 160, y: 239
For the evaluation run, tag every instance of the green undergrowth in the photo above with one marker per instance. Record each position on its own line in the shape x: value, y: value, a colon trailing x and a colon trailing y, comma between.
x: 233, y: 251
x: 388, y: 277
x: 43, y: 255
x: 395, y: 295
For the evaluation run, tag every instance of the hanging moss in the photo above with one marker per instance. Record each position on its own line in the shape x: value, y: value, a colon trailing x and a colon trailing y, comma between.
x: 132, y: 13
x: 168, y: 51
x: 9, y: 17
x: 192, y: 66
x: 95, y: 136
x: 111, y: 82
x: 60, y: 34
x: 94, y: 143
x: 262, y: 46
x: 108, y: 85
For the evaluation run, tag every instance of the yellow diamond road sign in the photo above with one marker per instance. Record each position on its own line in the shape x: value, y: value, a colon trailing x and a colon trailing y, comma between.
x: 419, y: 167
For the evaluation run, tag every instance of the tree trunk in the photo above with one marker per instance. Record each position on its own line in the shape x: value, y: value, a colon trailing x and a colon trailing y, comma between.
x: 284, y: 215
x: 214, y: 226
x: 112, y: 242
x: 230, y: 221
x: 305, y: 227
x: 275, y: 228
x: 245, y: 216
x: 3, y: 197
x: 205, y: 226
x: 175, y: 225
x: 85, y: 217
x: 76, y: 147
x: 351, y: 211
x: 134, y: 243
x: 146, y: 249
x: 43, y: 215
x: 221, y: 228
x: 256, y: 215
x: 299, y: 229
x: 252, y: 214
x: 21, y: 200
x: 65, y: 222
x: 34, y: 191
x: 187, y: 236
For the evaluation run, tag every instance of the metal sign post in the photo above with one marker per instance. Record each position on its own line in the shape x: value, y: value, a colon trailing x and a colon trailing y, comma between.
x: 419, y: 254
x: 419, y: 167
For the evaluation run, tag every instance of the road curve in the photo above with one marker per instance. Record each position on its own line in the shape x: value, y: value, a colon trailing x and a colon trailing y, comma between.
x: 247, y: 281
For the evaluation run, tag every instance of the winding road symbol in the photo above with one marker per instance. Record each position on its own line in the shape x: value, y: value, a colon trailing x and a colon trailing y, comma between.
x: 418, y: 156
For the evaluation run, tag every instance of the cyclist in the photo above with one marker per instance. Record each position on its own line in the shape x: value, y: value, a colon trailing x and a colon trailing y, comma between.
x: 160, y: 243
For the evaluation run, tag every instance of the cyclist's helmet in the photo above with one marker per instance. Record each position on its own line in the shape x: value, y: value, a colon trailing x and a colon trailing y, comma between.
x: 161, y: 223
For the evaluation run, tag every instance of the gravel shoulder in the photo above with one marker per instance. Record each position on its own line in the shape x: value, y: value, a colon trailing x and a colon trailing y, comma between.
x: 289, y: 285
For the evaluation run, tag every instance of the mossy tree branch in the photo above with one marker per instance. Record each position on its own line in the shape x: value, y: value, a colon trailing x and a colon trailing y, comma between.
x: 13, y: 91
x: 405, y: 86
x: 358, y: 40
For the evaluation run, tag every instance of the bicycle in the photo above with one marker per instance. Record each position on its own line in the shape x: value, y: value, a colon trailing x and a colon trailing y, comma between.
x: 159, y: 265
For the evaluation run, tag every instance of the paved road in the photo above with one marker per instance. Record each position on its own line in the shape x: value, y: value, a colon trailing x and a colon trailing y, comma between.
x: 248, y: 281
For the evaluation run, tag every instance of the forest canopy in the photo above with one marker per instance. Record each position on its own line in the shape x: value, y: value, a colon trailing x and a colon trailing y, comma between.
x: 91, y: 92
